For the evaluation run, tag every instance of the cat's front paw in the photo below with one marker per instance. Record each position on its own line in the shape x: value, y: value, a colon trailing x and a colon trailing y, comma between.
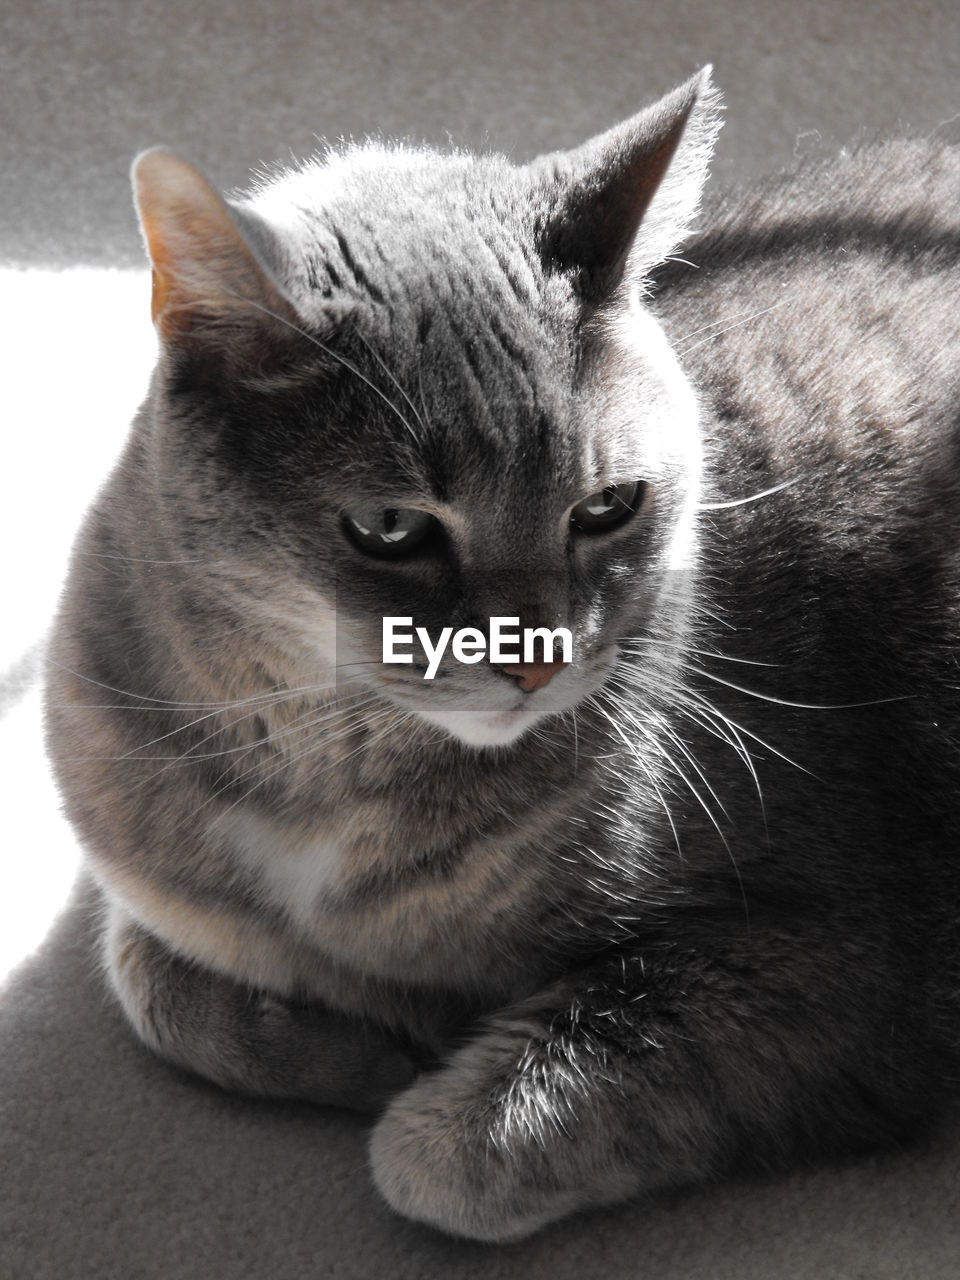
x: 448, y: 1152
x: 431, y: 1166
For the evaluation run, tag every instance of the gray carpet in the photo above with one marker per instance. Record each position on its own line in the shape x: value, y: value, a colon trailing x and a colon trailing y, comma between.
x: 111, y: 1164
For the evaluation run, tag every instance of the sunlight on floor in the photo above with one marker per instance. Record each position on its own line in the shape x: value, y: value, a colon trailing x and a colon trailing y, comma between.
x: 78, y: 348
x: 41, y: 857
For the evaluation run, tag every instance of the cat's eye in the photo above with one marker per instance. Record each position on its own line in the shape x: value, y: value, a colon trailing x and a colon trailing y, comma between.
x: 389, y: 532
x: 608, y: 508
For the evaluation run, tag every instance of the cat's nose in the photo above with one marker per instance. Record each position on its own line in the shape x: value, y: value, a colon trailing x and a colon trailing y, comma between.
x: 534, y: 675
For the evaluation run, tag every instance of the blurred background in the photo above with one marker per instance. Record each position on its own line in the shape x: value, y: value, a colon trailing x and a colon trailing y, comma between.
x: 84, y: 85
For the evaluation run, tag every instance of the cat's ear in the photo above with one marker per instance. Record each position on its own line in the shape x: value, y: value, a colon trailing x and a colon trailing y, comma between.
x: 622, y: 202
x: 213, y: 291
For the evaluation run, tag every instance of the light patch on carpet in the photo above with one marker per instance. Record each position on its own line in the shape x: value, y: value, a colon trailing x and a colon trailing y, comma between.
x: 41, y: 856
x: 78, y: 347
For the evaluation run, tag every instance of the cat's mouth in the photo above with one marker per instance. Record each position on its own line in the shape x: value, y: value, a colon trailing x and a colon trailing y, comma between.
x: 488, y: 728
x: 494, y: 720
x: 517, y: 711
x: 508, y: 710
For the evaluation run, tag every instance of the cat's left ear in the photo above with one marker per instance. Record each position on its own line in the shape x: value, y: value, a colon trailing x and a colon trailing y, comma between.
x: 215, y: 297
x: 620, y: 204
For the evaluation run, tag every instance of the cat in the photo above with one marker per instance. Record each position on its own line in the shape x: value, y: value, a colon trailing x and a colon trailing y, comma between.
x: 574, y: 932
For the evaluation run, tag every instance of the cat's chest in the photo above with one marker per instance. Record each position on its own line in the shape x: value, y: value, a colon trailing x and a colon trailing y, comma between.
x: 363, y: 898
x: 289, y: 870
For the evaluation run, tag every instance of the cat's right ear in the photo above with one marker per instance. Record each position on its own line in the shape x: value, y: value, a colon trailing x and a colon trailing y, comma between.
x: 614, y: 208
x: 213, y: 293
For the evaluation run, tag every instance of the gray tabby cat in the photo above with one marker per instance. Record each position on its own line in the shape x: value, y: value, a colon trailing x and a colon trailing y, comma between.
x: 682, y: 906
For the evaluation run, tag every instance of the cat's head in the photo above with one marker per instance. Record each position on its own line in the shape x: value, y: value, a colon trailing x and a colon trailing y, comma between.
x: 395, y: 382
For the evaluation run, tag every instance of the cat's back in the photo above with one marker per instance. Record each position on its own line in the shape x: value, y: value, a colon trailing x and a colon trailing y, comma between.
x: 894, y: 198
x: 819, y: 315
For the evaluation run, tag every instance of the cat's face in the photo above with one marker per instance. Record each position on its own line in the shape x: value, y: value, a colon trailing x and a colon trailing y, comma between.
x: 443, y: 403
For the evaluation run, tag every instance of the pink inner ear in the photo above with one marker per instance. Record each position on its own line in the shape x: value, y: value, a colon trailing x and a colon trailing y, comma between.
x: 204, y: 272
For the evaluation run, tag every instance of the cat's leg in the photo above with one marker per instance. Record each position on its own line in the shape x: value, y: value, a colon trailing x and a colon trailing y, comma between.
x: 642, y: 1074
x: 243, y: 1039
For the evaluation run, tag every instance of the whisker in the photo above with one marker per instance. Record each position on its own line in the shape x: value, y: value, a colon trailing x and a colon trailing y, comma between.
x: 756, y: 737
x: 689, y: 756
x: 754, y: 497
x: 257, y: 710
x: 658, y: 746
x: 296, y: 725
x: 738, y: 745
x: 393, y: 715
x: 803, y: 706
x: 632, y: 748
x: 735, y: 324
x: 107, y: 555
x: 423, y: 399
x: 329, y: 713
x: 393, y: 378
x: 168, y: 702
x: 334, y: 355
x: 700, y: 653
x: 220, y: 790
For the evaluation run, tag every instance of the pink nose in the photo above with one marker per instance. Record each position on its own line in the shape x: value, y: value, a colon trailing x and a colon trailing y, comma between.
x: 534, y: 675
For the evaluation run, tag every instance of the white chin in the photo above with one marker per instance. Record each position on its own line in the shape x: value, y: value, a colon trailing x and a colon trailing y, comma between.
x: 483, y: 728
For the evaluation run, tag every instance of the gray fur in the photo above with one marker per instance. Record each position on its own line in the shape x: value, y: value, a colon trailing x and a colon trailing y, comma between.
x: 689, y: 908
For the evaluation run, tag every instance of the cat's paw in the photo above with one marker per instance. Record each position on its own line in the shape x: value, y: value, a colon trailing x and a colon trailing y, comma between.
x: 442, y: 1154
x: 330, y: 1059
x: 428, y: 1168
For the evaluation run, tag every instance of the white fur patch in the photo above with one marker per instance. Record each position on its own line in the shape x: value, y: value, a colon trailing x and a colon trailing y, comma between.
x: 295, y: 872
x: 678, y: 439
